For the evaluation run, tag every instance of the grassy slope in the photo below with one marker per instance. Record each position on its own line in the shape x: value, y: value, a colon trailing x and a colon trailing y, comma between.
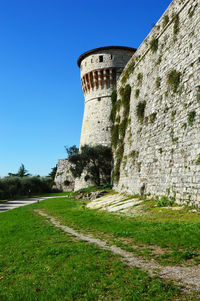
x: 178, y: 233
x: 39, y: 262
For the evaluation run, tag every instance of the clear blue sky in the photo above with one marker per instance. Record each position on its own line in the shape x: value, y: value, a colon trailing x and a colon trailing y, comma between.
x: 41, y: 101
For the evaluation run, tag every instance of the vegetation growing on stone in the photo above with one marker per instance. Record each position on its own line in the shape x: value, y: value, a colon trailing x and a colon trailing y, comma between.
x: 126, y: 101
x: 191, y: 117
x: 184, y: 126
x: 158, y: 82
x: 159, y: 60
x: 114, y: 106
x: 125, y: 78
x: 191, y: 11
x: 122, y: 128
x: 131, y: 67
x: 152, y: 117
x: 137, y: 92
x: 140, y: 110
x: 154, y: 45
x: 114, y: 96
x: 115, y: 135
x: 173, y: 113
x: 176, y: 25
x: 181, y: 89
x: 119, y: 130
x: 198, y: 94
x: 127, y: 72
x: 165, y: 21
x: 140, y: 78
x: 133, y: 155
x: 173, y: 80
x: 198, y: 160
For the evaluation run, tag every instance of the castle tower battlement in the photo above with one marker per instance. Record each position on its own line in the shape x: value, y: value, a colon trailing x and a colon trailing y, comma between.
x: 100, y: 69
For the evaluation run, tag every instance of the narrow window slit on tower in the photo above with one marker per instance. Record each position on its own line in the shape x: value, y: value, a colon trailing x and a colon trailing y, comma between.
x: 101, y: 58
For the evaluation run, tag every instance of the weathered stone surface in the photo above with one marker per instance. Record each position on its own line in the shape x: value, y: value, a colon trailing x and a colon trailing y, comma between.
x: 64, y: 180
x: 167, y: 143
x: 87, y: 196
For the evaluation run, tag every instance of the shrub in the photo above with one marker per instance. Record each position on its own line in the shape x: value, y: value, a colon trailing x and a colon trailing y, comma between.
x: 137, y: 92
x: 154, y: 45
x: 114, y: 97
x: 140, y: 110
x: 173, y: 113
x: 140, y: 77
x: 174, y: 80
x: 191, y: 11
x: 152, y: 117
x: 198, y: 160
x: 114, y: 106
x: 158, y: 81
x: 13, y: 186
x: 165, y: 21
x: 165, y: 202
x: 125, y: 78
x: 122, y: 128
x: 191, y: 117
x: 115, y: 135
x: 126, y: 100
x: 131, y: 67
x: 176, y: 24
x: 198, y: 94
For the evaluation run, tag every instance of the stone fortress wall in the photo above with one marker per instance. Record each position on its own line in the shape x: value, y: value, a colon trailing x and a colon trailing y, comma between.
x: 160, y: 151
x: 100, y: 69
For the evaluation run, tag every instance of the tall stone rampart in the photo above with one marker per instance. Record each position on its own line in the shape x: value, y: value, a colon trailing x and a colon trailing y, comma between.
x: 159, y: 153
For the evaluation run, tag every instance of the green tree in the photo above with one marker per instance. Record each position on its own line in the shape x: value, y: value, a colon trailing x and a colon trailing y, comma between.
x: 22, y: 172
x: 52, y: 174
x: 72, y: 150
x: 95, y: 161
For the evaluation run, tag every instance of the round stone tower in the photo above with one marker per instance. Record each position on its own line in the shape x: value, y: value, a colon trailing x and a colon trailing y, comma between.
x: 100, y: 69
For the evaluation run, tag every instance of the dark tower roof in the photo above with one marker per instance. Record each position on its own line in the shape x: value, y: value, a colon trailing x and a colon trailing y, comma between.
x: 85, y: 54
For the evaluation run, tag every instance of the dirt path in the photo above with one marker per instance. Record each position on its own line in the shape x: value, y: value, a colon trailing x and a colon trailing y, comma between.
x: 187, y: 276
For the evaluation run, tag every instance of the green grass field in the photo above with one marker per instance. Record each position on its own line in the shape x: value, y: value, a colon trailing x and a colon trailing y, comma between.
x: 176, y: 233
x: 40, y: 262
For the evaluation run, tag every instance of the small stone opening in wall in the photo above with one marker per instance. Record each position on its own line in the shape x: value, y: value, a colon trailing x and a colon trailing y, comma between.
x: 101, y: 58
x: 99, y: 98
x: 98, y: 121
x: 111, y: 57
